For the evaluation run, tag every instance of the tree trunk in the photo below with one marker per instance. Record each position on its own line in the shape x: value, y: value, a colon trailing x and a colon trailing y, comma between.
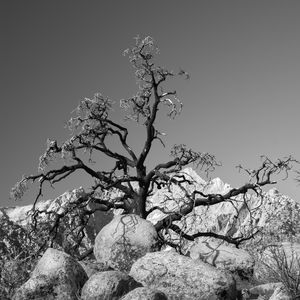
x: 138, y: 206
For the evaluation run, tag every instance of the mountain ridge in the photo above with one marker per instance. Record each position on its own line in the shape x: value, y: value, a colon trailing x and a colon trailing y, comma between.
x: 271, y: 211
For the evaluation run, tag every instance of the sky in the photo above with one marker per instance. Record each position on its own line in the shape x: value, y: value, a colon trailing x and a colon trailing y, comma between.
x: 241, y: 102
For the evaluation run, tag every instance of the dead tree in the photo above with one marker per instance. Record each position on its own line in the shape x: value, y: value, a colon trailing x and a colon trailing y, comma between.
x: 131, y: 182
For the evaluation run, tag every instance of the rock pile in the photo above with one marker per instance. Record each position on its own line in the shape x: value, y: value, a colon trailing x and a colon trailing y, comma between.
x: 150, y: 275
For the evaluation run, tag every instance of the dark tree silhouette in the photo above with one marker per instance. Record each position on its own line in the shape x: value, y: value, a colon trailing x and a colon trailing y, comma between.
x: 129, y: 179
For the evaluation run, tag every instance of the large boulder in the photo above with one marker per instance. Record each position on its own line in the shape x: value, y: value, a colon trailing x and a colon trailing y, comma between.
x: 235, y: 260
x: 56, y: 276
x: 143, y: 293
x: 125, y: 239
x: 108, y: 285
x: 181, y: 277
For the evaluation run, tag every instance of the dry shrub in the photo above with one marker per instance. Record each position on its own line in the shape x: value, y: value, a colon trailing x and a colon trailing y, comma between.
x: 284, y: 267
x: 18, y: 255
x: 14, y: 271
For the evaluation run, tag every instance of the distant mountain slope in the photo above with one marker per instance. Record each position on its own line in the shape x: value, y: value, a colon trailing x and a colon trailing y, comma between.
x: 17, y: 221
x: 275, y: 214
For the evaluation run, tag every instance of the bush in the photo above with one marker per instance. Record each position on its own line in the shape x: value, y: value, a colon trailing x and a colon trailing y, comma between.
x: 282, y: 266
x: 19, y: 250
x: 14, y: 271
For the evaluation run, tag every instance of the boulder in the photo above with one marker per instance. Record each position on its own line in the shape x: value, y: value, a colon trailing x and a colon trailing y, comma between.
x: 266, y: 289
x: 108, y: 285
x: 143, y: 293
x: 56, y: 276
x: 125, y: 239
x: 219, y: 255
x: 181, y: 277
x: 280, y: 294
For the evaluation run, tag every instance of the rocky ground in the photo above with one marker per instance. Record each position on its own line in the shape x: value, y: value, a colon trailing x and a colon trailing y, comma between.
x: 129, y: 262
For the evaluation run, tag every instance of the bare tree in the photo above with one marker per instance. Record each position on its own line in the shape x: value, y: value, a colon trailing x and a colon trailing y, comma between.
x: 92, y: 127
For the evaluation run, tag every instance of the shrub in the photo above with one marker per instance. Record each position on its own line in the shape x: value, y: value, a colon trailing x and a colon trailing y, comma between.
x: 14, y: 271
x: 284, y: 267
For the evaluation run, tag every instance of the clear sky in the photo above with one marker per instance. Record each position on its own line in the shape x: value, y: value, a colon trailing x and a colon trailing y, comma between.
x: 242, y: 100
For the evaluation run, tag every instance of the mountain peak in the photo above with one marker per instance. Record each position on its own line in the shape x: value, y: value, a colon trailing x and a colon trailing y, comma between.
x: 193, y: 175
x: 217, y: 186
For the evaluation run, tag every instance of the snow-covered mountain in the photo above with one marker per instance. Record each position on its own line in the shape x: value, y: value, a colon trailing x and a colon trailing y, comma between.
x: 16, y: 221
x: 273, y: 212
x: 277, y: 216
x: 20, y: 214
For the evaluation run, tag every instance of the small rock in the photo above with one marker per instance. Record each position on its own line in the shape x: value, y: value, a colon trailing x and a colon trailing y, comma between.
x: 266, y: 289
x: 280, y: 294
x: 144, y: 293
x: 108, y: 285
x: 92, y: 266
